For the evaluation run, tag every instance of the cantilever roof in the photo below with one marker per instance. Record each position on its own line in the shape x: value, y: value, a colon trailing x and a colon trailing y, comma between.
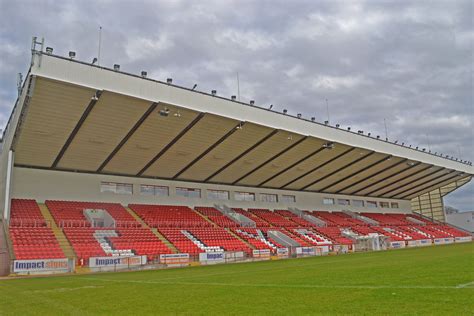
x: 86, y: 118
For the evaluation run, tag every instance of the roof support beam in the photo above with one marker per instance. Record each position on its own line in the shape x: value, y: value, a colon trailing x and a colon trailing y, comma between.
x: 357, y: 172
x: 442, y: 171
x: 338, y: 170
x: 271, y: 159
x: 129, y: 134
x: 78, y: 126
x: 293, y: 165
x: 433, y: 186
x: 372, y: 175
x: 318, y: 167
x: 399, y: 180
x: 165, y: 149
x: 241, y: 155
x: 443, y: 175
x: 386, y: 178
x: 223, y: 138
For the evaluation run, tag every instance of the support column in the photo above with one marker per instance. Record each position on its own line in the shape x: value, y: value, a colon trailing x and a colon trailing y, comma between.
x: 8, y: 180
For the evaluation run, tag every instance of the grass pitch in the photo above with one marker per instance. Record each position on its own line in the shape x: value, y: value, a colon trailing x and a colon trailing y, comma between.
x: 432, y: 280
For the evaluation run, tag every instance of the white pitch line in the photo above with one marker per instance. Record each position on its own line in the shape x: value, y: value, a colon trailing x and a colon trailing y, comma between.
x: 460, y: 286
x: 67, y: 289
x: 272, y: 285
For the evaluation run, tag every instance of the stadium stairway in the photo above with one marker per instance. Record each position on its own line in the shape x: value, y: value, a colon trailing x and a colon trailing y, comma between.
x: 60, y: 237
x: 238, y: 237
x: 154, y: 230
x: 205, y: 218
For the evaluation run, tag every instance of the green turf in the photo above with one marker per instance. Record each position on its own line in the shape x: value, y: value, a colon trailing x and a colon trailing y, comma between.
x: 432, y: 280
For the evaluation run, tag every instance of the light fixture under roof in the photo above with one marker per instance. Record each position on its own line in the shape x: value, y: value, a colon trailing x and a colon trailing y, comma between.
x: 328, y: 145
x: 214, y: 92
x: 252, y: 102
x: 49, y: 50
x: 233, y: 97
x: 164, y: 112
x: 72, y: 54
x: 169, y: 80
x: 117, y: 67
x: 144, y: 74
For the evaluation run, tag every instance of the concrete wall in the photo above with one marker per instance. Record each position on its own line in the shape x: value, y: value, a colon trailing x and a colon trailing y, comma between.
x: 463, y: 220
x: 44, y: 184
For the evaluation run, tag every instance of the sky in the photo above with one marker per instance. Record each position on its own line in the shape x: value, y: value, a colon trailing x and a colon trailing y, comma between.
x: 408, y: 62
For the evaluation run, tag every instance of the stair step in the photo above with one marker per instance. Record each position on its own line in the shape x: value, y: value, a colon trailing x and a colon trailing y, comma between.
x: 58, y: 233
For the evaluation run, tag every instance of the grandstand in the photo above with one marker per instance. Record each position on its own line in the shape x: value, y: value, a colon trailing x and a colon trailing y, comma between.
x: 98, y: 164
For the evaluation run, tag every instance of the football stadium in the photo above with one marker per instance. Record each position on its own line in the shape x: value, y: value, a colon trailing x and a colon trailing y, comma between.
x: 123, y: 194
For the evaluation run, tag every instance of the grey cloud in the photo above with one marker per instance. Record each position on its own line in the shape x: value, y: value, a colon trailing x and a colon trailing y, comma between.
x: 408, y: 62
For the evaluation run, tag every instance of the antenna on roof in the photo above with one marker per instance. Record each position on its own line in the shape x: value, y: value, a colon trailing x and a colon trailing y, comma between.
x: 238, y: 86
x: 100, y: 44
x: 386, y: 130
x: 327, y: 109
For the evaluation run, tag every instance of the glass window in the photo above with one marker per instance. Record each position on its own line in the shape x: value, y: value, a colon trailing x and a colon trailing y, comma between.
x: 188, y: 192
x: 118, y: 188
x: 343, y: 202
x: 384, y: 205
x: 394, y: 204
x: 371, y: 204
x: 265, y: 197
x: 217, y: 195
x: 244, y: 196
x: 288, y: 198
x: 358, y: 203
x: 107, y: 187
x: 328, y: 201
x: 154, y: 190
x: 147, y: 189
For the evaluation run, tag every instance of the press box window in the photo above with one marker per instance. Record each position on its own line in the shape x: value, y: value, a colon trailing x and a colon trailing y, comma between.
x: 154, y: 190
x: 217, y: 195
x: 343, y: 202
x: 394, y: 204
x: 371, y: 204
x: 271, y: 198
x: 288, y: 199
x: 244, y: 196
x: 384, y: 205
x: 358, y: 203
x: 328, y: 201
x: 188, y: 192
x: 117, y: 188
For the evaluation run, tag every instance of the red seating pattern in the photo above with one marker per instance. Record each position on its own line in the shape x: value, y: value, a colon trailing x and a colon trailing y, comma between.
x: 216, y: 216
x: 25, y: 213
x: 31, y: 238
x: 169, y: 216
x: 337, y: 219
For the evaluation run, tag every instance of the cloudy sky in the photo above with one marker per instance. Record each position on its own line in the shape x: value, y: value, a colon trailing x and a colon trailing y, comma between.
x: 409, y: 62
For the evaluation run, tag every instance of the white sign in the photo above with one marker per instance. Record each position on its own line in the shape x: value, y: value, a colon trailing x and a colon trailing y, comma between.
x: 397, y: 244
x: 40, y: 265
x: 305, y: 251
x: 175, y: 259
x: 424, y: 242
x: 282, y: 253
x: 463, y: 239
x: 117, y: 262
x: 261, y: 253
x: 211, y: 257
